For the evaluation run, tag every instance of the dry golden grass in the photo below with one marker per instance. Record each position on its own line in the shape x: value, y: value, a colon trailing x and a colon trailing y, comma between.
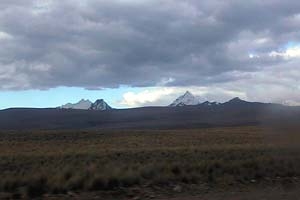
x: 34, y: 163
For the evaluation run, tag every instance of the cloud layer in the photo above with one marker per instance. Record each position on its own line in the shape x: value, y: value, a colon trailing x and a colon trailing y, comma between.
x: 248, y: 46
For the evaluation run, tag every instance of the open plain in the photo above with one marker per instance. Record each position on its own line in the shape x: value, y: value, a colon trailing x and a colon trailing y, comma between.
x: 147, y: 164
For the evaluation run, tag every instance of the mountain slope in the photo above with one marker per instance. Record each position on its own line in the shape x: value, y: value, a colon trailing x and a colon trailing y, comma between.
x: 187, y: 99
x: 182, y: 117
x: 81, y: 105
x: 100, y: 104
x: 235, y: 112
x: 208, y: 103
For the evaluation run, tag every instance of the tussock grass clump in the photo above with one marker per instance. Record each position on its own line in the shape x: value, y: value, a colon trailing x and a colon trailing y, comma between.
x: 34, y: 164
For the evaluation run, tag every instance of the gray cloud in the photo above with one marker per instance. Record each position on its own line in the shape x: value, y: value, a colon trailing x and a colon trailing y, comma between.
x: 105, y: 44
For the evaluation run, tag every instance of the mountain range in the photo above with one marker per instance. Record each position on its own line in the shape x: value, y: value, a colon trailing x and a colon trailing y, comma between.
x: 188, y: 99
x: 83, y: 104
x: 185, y: 112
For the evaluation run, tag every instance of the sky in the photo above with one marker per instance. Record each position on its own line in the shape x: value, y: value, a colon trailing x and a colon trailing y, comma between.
x: 147, y: 52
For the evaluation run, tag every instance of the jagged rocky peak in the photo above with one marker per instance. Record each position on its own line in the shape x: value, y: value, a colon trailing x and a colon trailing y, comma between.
x: 187, y: 99
x: 81, y: 105
x: 188, y: 94
x: 100, y: 104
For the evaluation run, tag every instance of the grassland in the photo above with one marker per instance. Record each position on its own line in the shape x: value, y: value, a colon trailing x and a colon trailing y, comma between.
x: 39, y: 163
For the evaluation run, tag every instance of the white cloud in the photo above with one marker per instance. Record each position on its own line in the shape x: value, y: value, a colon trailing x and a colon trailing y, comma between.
x: 251, y: 55
x: 146, y: 97
x: 162, y: 96
x: 165, y: 81
x: 5, y: 36
x: 277, y: 84
x: 40, y: 67
x: 262, y: 41
x: 291, y: 103
x: 41, y: 7
x: 292, y: 52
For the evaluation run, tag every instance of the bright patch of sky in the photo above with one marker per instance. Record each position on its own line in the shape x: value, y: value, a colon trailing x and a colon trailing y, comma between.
x: 253, y: 55
x: 41, y: 6
x: 62, y: 95
x: 291, y: 44
x: 123, y: 97
x: 5, y: 36
x: 289, y: 51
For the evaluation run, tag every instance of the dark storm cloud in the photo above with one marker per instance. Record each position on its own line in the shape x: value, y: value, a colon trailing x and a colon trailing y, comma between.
x: 98, y: 44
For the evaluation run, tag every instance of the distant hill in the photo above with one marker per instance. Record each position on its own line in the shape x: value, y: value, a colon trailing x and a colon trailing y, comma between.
x: 235, y: 112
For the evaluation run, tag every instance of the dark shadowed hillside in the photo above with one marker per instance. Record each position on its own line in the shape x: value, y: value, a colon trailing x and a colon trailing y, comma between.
x: 233, y: 113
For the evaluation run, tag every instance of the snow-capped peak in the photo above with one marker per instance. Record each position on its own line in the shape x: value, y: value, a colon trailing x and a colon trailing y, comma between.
x: 81, y: 105
x: 100, y: 104
x: 187, y: 99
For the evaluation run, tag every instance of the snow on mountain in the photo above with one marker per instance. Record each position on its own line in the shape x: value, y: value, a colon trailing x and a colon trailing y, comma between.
x: 186, y: 99
x: 208, y: 103
x: 81, y: 105
x: 100, y: 104
x: 189, y: 99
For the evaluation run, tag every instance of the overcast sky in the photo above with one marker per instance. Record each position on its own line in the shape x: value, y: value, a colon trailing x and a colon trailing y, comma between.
x: 146, y: 52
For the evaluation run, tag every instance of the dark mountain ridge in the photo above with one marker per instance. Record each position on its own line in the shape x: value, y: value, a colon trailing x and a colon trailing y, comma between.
x: 235, y: 112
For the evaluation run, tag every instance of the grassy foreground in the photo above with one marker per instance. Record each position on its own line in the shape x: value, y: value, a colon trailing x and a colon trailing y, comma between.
x: 33, y: 164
